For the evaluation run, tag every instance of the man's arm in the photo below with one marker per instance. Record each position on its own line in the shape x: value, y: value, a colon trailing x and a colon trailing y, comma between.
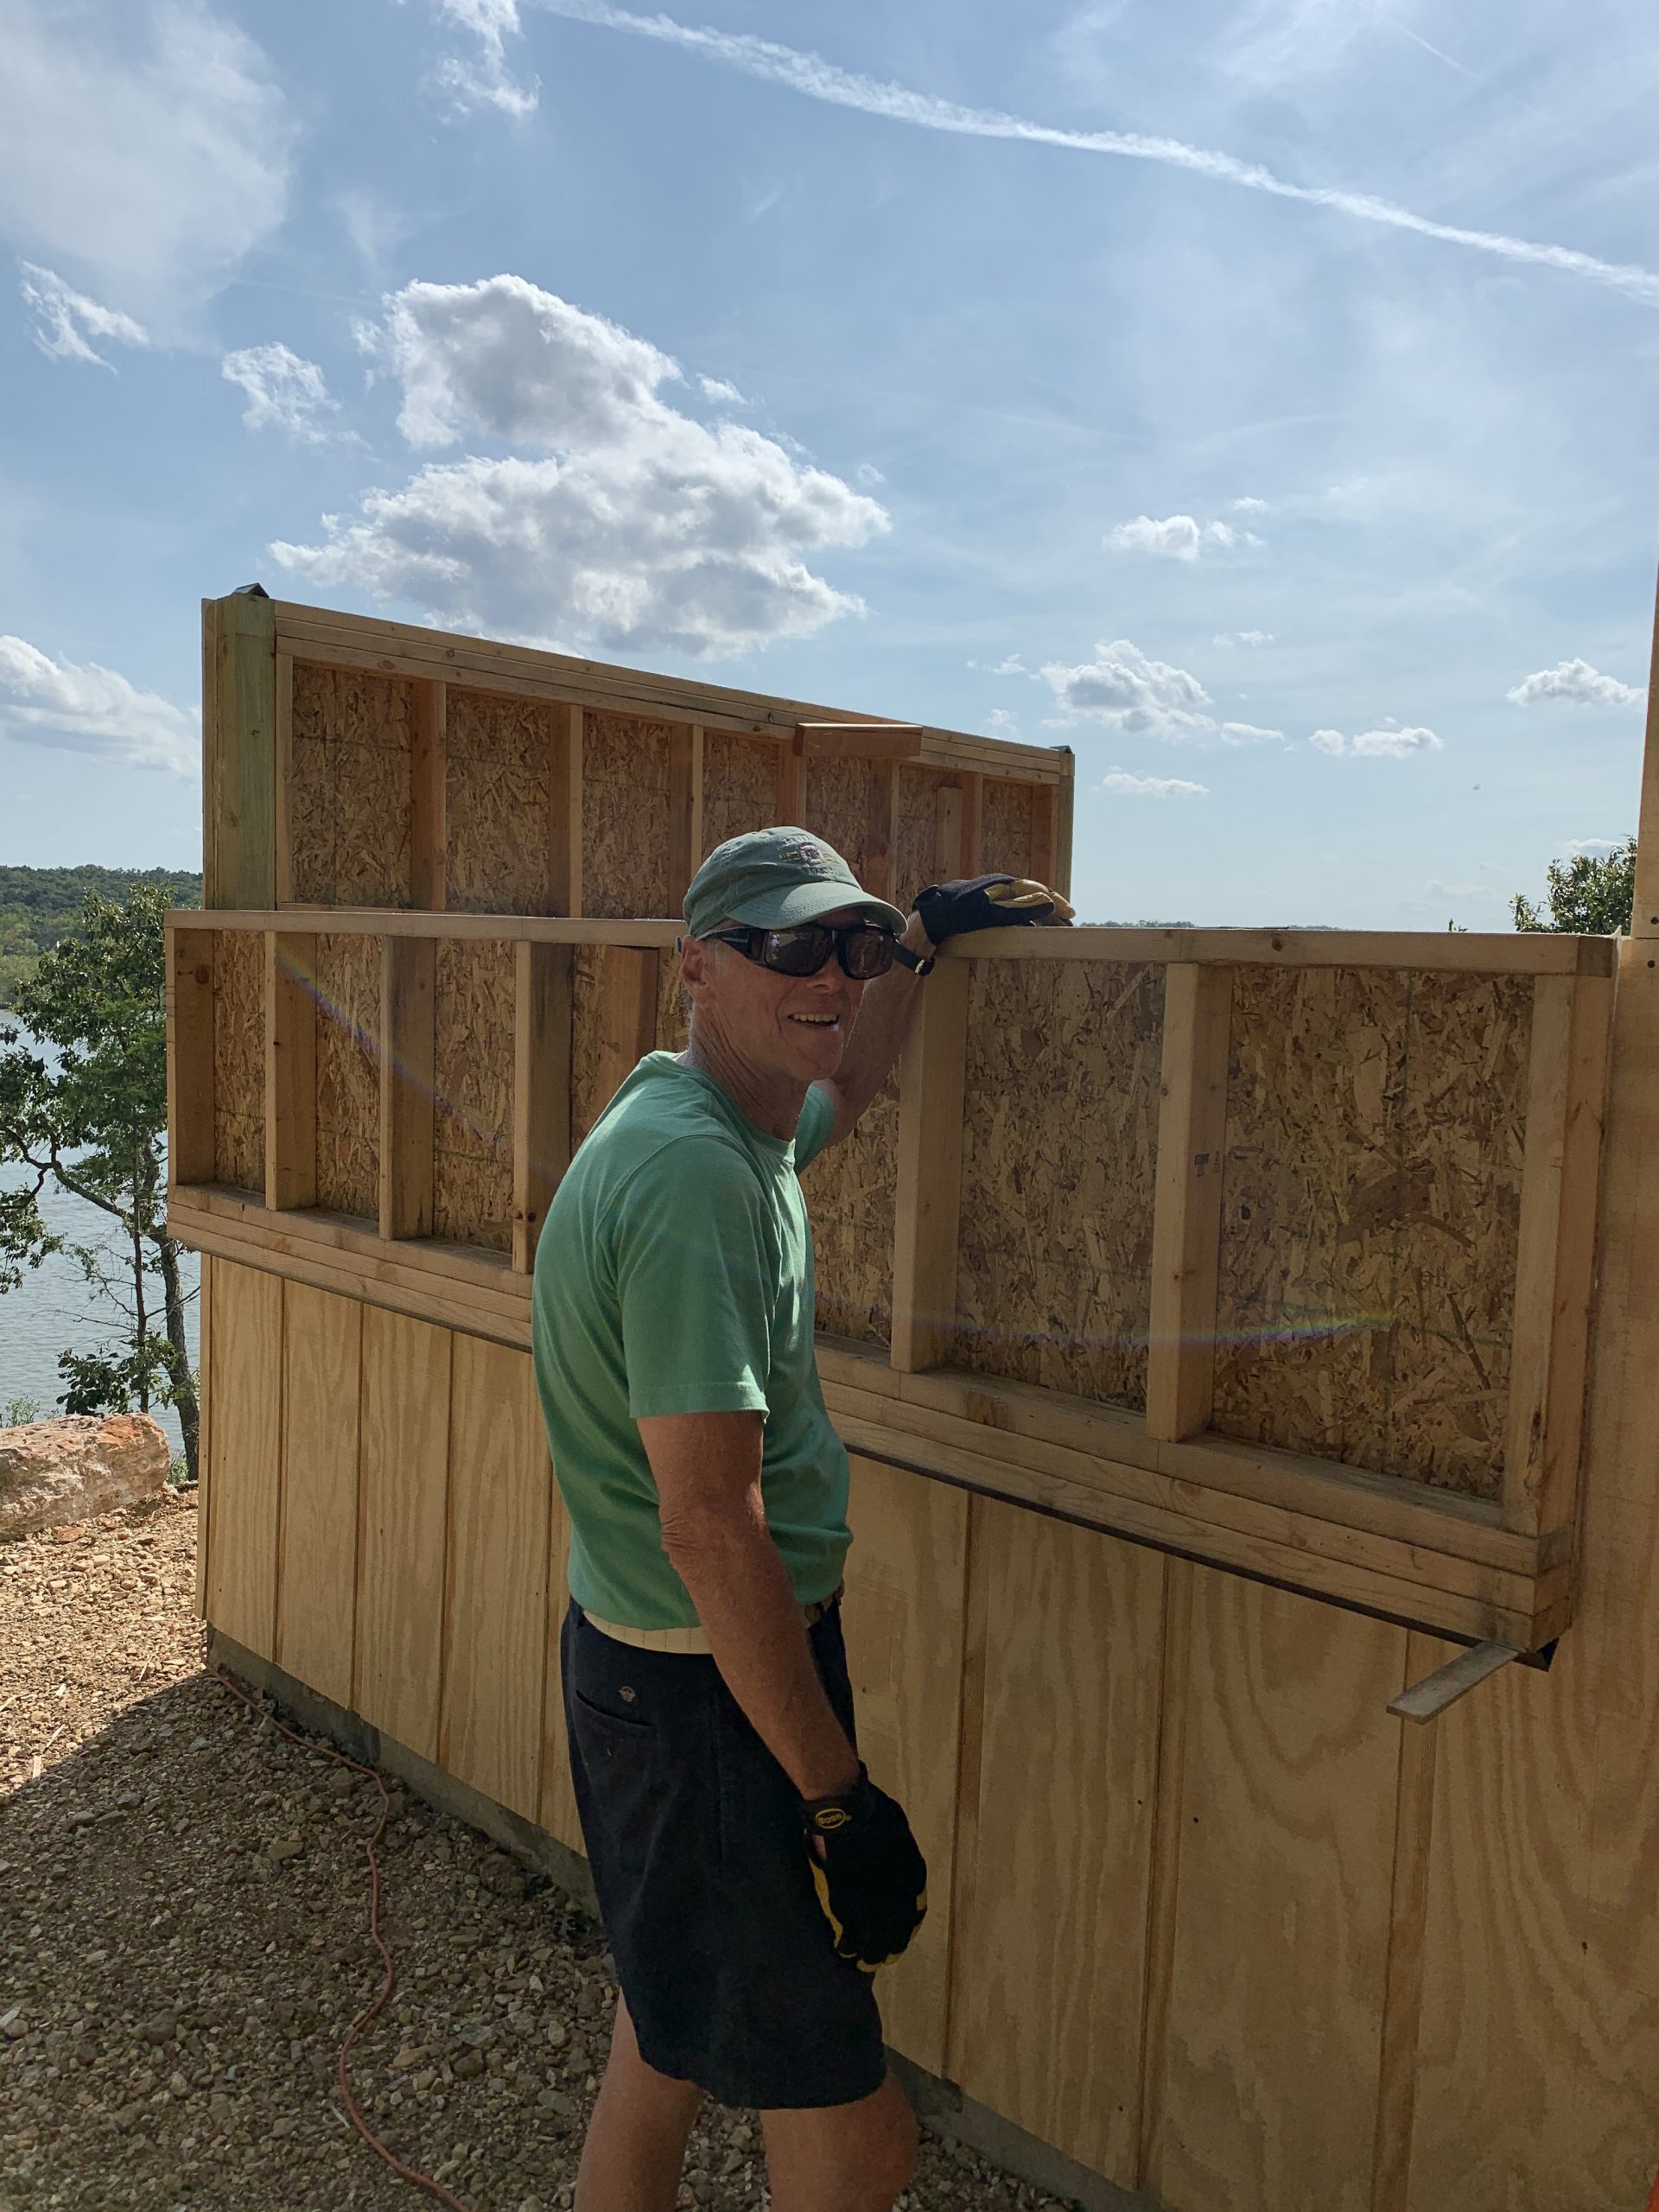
x: 707, y: 1472
x: 884, y: 1022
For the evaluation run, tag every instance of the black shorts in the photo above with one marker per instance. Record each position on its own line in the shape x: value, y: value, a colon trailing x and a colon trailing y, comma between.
x: 694, y: 1836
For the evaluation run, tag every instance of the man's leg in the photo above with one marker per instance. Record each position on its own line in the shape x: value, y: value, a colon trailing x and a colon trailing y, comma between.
x: 636, y: 2141
x: 852, y: 2158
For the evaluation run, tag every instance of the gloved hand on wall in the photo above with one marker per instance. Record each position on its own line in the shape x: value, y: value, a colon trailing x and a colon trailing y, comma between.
x: 988, y: 902
x: 870, y: 1876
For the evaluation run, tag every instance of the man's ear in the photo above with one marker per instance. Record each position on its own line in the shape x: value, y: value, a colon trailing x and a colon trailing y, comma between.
x: 694, y: 962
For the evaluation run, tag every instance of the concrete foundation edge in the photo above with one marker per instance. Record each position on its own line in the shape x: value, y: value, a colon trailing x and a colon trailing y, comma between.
x: 940, y: 2105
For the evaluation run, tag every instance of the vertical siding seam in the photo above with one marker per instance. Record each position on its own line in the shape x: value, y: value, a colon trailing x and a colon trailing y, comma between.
x: 1163, y: 1873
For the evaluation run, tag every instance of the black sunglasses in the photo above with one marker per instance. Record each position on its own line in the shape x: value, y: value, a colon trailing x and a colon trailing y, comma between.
x: 865, y: 948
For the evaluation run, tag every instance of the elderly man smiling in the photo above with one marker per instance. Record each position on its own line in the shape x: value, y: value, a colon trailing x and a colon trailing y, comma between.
x: 750, y: 1875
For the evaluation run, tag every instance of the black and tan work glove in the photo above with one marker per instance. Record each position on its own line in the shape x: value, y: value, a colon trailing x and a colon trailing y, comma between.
x: 987, y: 902
x: 871, y: 1877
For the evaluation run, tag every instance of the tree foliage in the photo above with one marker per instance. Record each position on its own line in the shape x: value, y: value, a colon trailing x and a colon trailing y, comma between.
x: 83, y: 1105
x: 1588, y: 896
x: 40, y: 906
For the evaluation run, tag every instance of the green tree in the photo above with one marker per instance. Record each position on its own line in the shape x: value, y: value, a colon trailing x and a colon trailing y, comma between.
x: 90, y: 1114
x: 1589, y: 897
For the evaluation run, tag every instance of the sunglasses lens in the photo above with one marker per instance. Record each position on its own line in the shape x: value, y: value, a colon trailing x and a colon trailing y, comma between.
x: 798, y: 952
x: 867, y: 953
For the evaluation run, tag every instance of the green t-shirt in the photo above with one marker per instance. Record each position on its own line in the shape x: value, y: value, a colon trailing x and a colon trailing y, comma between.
x: 674, y: 1276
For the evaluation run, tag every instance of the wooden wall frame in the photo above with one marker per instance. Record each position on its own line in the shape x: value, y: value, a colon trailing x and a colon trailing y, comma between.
x: 1436, y: 1559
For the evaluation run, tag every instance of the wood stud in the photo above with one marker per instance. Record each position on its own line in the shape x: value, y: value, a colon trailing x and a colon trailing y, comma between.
x: 408, y: 1009
x: 291, y: 1071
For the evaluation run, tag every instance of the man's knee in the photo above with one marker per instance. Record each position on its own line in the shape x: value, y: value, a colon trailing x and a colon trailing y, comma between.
x: 848, y: 2158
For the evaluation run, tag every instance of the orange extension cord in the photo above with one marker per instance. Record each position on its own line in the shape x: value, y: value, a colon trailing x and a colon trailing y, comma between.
x: 404, y: 2173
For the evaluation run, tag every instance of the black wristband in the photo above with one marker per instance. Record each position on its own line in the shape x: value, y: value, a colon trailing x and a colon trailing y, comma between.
x: 921, y: 963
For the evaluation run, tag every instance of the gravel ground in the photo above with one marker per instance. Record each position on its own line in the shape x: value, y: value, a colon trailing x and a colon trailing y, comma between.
x: 183, y: 1943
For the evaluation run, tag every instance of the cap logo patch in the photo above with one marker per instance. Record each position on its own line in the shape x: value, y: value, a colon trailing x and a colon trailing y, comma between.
x: 807, y: 855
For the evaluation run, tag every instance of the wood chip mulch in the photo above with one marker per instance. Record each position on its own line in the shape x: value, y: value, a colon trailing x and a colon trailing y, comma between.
x: 183, y: 1943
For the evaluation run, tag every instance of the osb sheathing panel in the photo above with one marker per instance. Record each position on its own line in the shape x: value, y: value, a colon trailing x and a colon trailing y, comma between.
x: 497, y: 783
x: 239, y: 1059
x: 673, y: 1023
x: 1004, y: 821
x: 348, y: 1074
x: 1370, y: 1204
x: 472, y: 1196
x: 740, y: 786
x: 1060, y: 1162
x: 625, y: 815
x: 916, y: 819
x: 843, y: 797
x: 349, y: 798
x: 849, y: 1197
x: 605, y: 1046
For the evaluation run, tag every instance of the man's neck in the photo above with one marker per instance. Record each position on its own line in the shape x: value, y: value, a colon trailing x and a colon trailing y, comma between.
x: 771, y: 1101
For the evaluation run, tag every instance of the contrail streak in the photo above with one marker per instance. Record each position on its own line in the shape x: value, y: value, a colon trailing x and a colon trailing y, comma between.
x: 818, y: 79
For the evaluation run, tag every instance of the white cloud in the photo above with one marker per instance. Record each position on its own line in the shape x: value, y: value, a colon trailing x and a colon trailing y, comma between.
x: 1594, y: 849
x: 285, y: 392
x: 1177, y: 537
x: 1125, y: 691
x: 1385, y: 744
x: 1248, y: 734
x: 726, y: 395
x: 629, y: 523
x: 1120, y: 784
x: 1243, y: 638
x: 1579, y: 684
x: 1001, y: 723
x: 812, y: 75
x: 483, y: 80
x: 92, y: 709
x: 150, y: 152
x: 67, y: 321
x: 1249, y: 506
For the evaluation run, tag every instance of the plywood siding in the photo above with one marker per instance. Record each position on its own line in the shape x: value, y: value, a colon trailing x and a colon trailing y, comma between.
x: 498, y: 793
x: 349, y: 806
x: 402, y: 1527
x: 245, y: 1384
x: 316, y: 1600
x: 1064, y: 1689
x: 239, y: 1059
x: 472, y: 1101
x: 1371, y: 1116
x: 625, y: 815
x: 1285, y: 1821
x: 1060, y: 1162
x: 496, y: 1557
x: 348, y: 1073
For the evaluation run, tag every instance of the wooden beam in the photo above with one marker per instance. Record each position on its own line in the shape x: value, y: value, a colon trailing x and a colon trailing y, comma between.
x: 791, y: 783
x: 973, y: 798
x: 1644, y: 914
x: 1566, y: 1087
x: 684, y: 808
x: 878, y: 832
x: 1050, y: 855
x: 239, y: 773
x: 947, y: 834
x: 1430, y: 1695
x: 1186, y: 1216
x: 928, y: 1204
x: 189, y: 1056
x: 284, y: 792
x: 429, y: 813
x: 860, y: 740
x: 408, y: 1006
x: 290, y: 1070
x: 564, y: 815
x: 541, y: 1090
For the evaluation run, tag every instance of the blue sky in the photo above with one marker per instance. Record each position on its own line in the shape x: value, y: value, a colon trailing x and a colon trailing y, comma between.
x: 1258, y: 397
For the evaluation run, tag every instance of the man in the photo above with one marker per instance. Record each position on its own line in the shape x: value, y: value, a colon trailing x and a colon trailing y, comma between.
x: 750, y: 1875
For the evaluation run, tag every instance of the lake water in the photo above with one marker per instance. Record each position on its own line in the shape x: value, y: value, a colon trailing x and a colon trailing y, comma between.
x: 54, y: 1310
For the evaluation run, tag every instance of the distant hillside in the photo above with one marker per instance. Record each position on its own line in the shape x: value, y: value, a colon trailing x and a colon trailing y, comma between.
x: 39, y: 906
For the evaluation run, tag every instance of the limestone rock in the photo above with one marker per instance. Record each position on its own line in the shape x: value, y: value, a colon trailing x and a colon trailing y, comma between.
x: 53, y: 1472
